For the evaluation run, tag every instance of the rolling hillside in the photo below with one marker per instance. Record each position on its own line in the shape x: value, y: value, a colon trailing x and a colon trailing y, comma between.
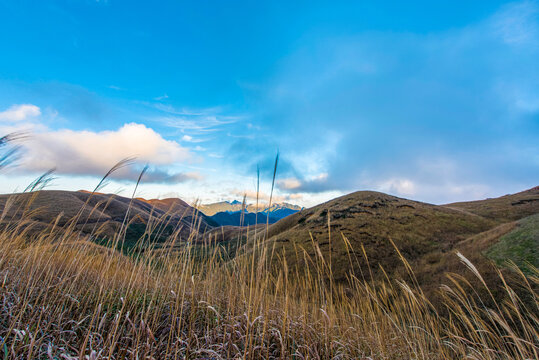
x: 428, y: 236
x: 371, y: 219
x: 505, y: 208
x: 520, y: 245
x: 101, y: 215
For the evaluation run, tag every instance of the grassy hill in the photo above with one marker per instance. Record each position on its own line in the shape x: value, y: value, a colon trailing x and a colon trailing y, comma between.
x: 102, y: 215
x: 357, y: 234
x: 371, y: 220
x: 505, y: 208
x: 520, y: 246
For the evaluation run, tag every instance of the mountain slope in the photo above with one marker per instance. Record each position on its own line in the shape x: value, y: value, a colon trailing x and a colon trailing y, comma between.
x: 505, y: 208
x: 181, y: 208
x: 520, y: 246
x: 222, y: 206
x: 371, y: 219
x: 101, y: 215
x: 428, y: 236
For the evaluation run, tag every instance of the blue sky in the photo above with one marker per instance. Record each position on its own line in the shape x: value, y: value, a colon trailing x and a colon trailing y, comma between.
x: 434, y: 101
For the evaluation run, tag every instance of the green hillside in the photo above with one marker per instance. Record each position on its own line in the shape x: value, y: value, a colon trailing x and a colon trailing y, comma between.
x: 520, y: 246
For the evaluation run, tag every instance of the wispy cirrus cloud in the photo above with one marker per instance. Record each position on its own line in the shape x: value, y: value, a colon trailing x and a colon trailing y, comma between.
x: 114, y: 87
x: 162, y: 97
x: 517, y: 24
x: 191, y: 139
x: 195, y: 121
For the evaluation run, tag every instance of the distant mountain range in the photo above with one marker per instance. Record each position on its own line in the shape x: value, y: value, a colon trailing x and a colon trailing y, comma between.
x: 235, y: 218
x: 235, y: 205
x: 230, y: 213
x: 101, y: 215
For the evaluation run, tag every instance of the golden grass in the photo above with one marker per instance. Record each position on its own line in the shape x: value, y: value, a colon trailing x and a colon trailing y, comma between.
x: 64, y: 297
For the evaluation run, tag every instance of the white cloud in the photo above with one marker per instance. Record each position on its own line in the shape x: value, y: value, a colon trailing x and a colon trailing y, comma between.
x: 320, y: 177
x: 263, y: 197
x: 316, y: 183
x: 201, y: 121
x: 94, y: 153
x: 20, y: 113
x: 189, y: 138
x: 289, y: 183
x: 194, y: 175
x: 398, y: 186
x: 88, y: 152
x: 295, y: 196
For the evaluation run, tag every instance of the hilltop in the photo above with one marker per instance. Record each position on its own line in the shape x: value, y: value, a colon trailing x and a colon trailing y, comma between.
x: 428, y: 236
x: 371, y: 219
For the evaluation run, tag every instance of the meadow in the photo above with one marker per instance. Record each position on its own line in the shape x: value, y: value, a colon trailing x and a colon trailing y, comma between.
x: 62, y: 296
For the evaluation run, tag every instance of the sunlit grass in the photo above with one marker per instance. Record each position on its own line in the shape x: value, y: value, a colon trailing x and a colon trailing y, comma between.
x: 65, y: 297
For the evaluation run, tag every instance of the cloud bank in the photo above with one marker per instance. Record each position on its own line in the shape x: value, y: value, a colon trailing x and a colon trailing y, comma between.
x: 424, y: 115
x: 93, y: 153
